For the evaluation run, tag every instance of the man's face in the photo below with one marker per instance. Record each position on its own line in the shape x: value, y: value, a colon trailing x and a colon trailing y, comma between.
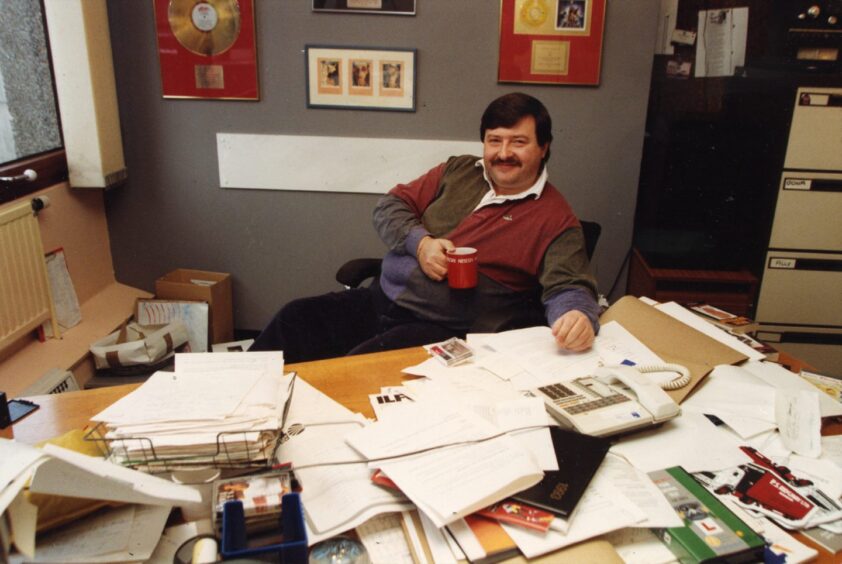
x: 513, y: 156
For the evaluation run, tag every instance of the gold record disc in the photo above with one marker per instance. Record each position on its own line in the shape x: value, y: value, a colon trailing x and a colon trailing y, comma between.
x: 205, y: 27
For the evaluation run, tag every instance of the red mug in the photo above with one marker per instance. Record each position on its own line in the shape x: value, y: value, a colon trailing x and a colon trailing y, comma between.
x: 462, y: 267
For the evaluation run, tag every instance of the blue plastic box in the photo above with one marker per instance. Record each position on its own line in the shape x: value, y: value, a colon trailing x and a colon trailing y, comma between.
x: 293, y: 550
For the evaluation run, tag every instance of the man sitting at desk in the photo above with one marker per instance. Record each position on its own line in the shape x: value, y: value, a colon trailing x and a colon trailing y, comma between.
x: 530, y: 246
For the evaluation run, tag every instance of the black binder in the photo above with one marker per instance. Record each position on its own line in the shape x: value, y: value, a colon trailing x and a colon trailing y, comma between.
x: 579, y: 457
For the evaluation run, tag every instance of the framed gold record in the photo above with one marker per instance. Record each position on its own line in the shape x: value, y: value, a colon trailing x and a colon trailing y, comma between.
x: 205, y: 28
x: 207, y: 48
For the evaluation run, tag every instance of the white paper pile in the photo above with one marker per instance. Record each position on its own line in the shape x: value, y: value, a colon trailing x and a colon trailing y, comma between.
x: 224, y: 412
x: 17, y: 516
x: 126, y: 534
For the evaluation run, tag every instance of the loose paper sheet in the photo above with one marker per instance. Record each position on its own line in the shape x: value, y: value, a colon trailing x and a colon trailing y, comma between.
x: 799, y: 421
x: 740, y: 399
x: 451, y: 482
x: 689, y: 440
x: 124, y: 534
x: 73, y: 474
x: 384, y: 540
x: 721, y: 43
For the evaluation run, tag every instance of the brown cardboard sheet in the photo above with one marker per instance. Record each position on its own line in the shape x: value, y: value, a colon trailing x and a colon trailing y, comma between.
x: 671, y: 340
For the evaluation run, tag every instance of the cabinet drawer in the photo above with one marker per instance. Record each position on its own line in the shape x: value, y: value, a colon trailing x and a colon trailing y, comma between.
x: 801, y: 289
x: 808, y: 212
x: 815, y: 136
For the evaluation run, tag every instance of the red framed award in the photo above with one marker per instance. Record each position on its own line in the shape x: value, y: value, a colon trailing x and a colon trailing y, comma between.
x: 207, y: 49
x: 551, y: 41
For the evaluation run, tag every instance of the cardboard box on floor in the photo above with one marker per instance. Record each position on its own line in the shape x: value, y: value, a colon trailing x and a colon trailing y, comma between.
x: 671, y: 340
x: 202, y: 285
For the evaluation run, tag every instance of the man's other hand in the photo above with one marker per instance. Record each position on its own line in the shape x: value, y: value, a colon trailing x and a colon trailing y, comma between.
x: 573, y: 331
x: 431, y: 257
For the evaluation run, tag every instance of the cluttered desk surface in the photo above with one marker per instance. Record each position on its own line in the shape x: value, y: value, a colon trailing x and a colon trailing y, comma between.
x: 348, y: 380
x: 351, y: 381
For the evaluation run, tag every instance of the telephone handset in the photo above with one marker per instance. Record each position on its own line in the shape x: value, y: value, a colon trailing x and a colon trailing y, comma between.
x: 614, y: 400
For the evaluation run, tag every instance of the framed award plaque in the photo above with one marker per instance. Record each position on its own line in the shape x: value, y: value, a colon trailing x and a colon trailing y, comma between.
x: 207, y: 49
x: 551, y: 41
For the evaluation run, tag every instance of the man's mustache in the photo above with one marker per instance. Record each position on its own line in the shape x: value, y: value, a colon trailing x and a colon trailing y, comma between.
x: 511, y: 161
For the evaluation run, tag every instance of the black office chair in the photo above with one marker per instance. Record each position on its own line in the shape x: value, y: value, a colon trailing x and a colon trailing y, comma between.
x: 356, y: 271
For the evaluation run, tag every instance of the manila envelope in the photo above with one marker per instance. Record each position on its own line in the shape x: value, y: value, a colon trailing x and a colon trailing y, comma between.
x: 671, y: 340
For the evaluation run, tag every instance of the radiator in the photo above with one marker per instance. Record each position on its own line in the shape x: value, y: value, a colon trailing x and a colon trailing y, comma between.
x: 25, y: 300
x: 54, y: 381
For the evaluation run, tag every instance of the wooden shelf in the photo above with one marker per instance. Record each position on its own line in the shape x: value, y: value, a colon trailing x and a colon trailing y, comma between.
x: 101, y: 315
x: 731, y: 290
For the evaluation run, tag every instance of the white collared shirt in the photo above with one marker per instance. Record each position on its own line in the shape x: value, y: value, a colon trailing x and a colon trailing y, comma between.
x: 491, y: 197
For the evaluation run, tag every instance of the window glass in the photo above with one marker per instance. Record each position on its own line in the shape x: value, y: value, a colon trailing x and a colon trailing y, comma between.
x: 30, y: 135
x: 28, y: 117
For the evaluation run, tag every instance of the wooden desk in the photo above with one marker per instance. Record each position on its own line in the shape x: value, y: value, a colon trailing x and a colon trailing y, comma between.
x: 348, y: 380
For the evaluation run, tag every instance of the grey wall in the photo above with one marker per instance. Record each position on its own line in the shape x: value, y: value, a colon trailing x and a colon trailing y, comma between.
x: 280, y: 245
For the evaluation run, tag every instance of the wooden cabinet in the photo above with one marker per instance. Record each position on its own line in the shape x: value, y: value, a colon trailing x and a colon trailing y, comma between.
x: 731, y: 290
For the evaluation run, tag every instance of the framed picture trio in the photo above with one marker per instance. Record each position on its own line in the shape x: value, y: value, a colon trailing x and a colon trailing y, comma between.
x: 368, y: 78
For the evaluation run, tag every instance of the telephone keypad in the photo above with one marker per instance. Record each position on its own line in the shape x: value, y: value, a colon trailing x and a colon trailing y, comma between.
x: 595, y: 404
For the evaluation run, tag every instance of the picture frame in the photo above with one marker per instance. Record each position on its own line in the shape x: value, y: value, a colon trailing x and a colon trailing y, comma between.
x: 207, y: 50
x: 390, y: 7
x: 551, y: 41
x: 361, y: 78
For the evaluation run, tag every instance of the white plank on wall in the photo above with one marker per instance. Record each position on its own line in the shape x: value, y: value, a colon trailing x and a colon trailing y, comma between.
x: 329, y: 164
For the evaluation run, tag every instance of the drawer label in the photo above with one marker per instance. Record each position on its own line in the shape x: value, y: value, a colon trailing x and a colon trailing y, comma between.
x: 797, y: 183
x: 777, y: 262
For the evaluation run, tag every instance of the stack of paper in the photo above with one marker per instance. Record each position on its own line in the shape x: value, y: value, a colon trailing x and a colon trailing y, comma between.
x: 337, y: 491
x: 449, y: 463
x: 224, y: 412
x: 125, y: 534
x: 17, y: 462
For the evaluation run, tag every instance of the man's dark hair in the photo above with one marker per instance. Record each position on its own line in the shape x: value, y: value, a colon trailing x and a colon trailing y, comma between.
x: 509, y: 109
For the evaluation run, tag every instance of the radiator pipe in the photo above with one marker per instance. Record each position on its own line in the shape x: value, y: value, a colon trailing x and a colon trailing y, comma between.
x: 39, y: 204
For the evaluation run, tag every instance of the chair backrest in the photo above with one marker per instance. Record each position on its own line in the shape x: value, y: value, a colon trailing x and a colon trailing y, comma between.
x: 591, y: 230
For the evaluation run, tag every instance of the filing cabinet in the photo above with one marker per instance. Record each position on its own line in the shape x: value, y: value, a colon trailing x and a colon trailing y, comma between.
x: 800, y: 298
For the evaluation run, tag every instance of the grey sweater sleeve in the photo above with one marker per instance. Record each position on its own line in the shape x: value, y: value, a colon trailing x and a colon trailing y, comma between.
x: 397, y: 225
x: 567, y: 280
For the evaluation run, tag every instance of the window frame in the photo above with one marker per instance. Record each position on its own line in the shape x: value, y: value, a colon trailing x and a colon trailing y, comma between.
x: 51, y: 166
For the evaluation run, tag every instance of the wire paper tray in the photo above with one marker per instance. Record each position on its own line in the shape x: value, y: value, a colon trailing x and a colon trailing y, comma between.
x: 232, y: 450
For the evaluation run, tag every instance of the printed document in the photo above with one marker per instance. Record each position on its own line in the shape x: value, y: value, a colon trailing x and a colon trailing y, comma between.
x: 337, y: 491
x: 124, y: 534
x: 448, y: 463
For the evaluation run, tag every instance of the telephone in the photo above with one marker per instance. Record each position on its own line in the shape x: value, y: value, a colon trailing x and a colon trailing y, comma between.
x: 615, y: 399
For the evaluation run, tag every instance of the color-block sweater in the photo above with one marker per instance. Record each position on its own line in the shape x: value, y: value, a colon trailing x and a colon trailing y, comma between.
x: 526, y: 246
